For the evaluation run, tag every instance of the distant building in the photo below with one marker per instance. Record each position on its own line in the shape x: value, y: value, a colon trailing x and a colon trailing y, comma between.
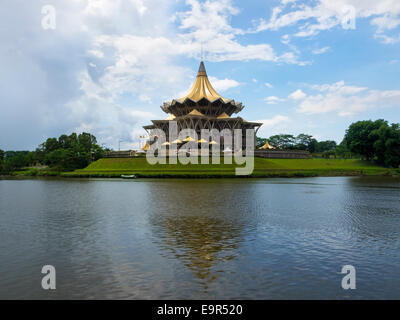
x: 120, y: 154
x: 267, y: 146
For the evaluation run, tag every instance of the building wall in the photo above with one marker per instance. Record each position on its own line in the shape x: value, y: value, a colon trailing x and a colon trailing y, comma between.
x: 282, y: 154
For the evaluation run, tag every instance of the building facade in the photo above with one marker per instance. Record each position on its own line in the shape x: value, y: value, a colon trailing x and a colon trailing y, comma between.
x: 202, y: 108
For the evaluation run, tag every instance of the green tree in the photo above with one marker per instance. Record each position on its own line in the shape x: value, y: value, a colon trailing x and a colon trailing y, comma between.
x: 1, y: 161
x: 343, y: 151
x: 326, y: 146
x: 260, y: 142
x: 87, y: 141
x: 65, y: 153
x: 282, y: 141
x: 375, y: 140
x: 64, y: 141
x: 67, y: 159
x: 360, y: 138
x: 15, y: 160
x: 50, y: 145
x: 97, y: 152
x: 305, y: 142
x: 70, y: 152
x: 387, y: 144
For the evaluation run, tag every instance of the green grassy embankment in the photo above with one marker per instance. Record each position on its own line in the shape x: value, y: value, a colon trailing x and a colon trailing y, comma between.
x: 34, y: 172
x: 262, y: 168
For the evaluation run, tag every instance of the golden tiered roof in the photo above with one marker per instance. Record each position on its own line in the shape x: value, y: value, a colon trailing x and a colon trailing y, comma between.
x: 195, y: 112
x: 267, y: 146
x: 170, y: 117
x: 146, y: 147
x: 202, y: 88
x: 223, y: 115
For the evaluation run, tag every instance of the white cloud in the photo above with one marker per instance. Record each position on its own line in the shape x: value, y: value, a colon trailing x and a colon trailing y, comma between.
x: 285, y: 39
x: 96, y: 111
x: 109, y: 59
x: 144, y: 98
x: 268, y: 85
x: 72, y: 78
x: 110, y: 7
x: 140, y: 65
x: 314, y: 17
x: 143, y: 66
x: 297, y: 95
x: 208, y: 22
x: 339, y: 87
x: 223, y: 84
x: 347, y: 100
x: 388, y: 39
x: 321, y: 50
x: 278, y: 119
x: 96, y: 53
x: 275, y: 125
x: 273, y: 100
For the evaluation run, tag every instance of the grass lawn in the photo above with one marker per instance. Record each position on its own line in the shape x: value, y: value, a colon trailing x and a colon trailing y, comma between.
x: 262, y: 168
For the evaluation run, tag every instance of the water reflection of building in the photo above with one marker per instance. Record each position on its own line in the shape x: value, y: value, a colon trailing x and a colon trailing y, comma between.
x: 202, y: 108
x: 205, y: 235
x: 199, y: 241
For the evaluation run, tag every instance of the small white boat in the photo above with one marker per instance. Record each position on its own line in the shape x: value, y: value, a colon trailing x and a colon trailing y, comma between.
x: 128, y: 176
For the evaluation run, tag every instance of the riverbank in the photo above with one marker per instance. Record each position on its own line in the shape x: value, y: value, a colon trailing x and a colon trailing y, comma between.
x: 263, y: 168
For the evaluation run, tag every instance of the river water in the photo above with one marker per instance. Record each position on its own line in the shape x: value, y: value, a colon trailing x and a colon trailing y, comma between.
x: 200, y: 239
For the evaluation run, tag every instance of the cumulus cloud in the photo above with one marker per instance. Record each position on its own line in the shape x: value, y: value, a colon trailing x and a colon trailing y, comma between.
x: 313, y: 17
x: 108, y: 8
x: 345, y: 100
x: 59, y: 81
x: 274, y: 125
x: 96, y: 111
x: 107, y: 60
x: 297, y: 95
x: 208, y: 22
x: 278, y: 119
x: 273, y: 100
x: 223, y: 84
x: 268, y: 85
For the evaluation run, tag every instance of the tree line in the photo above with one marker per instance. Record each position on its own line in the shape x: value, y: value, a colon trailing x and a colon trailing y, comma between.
x: 303, y: 142
x: 375, y: 141
x: 68, y: 152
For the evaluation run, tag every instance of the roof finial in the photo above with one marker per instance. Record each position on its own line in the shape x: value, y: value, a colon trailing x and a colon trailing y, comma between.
x: 202, y: 52
x: 202, y: 69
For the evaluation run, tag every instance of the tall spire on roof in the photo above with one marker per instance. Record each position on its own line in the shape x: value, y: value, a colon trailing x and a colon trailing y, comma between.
x: 202, y: 88
x: 202, y: 70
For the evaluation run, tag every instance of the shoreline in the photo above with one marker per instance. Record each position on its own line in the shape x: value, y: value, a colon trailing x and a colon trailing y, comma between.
x: 263, y: 168
x: 184, y: 175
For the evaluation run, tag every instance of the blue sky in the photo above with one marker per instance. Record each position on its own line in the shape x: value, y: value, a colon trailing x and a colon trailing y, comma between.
x: 298, y: 66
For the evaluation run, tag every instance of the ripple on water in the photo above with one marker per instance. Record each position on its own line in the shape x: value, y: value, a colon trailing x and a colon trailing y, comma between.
x: 171, y: 239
